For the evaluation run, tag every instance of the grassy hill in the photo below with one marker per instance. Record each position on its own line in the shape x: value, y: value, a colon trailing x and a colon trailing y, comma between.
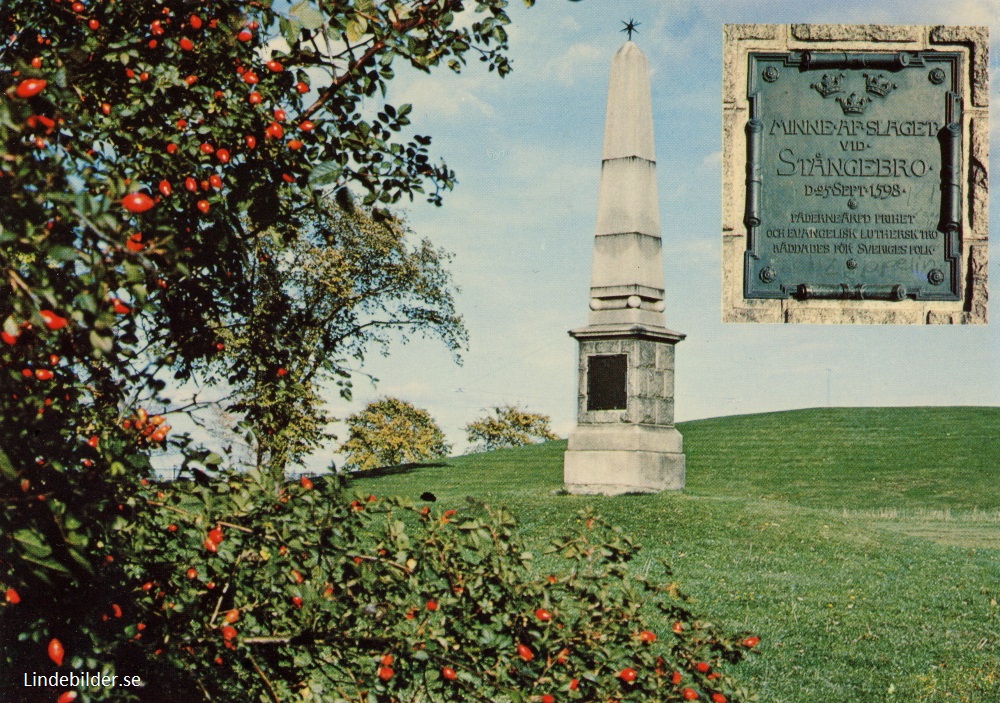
x: 863, y: 544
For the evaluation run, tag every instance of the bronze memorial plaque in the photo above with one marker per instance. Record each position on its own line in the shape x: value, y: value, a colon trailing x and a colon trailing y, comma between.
x: 607, y: 382
x: 853, y: 177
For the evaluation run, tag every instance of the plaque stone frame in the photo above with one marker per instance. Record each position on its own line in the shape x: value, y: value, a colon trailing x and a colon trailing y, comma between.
x: 769, y: 279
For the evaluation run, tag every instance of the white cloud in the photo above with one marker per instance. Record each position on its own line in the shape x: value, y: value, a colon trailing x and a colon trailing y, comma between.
x: 446, y: 97
x: 712, y: 161
x: 569, y: 24
x: 578, y: 61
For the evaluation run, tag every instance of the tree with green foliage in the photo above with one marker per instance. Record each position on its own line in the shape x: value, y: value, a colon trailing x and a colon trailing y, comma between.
x: 509, y: 426
x: 338, y: 282
x: 388, y: 432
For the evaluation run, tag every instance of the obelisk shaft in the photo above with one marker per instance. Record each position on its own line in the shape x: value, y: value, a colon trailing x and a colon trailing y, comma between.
x: 626, y: 283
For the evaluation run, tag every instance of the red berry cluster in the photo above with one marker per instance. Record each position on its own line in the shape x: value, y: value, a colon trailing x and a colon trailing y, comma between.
x: 151, y: 430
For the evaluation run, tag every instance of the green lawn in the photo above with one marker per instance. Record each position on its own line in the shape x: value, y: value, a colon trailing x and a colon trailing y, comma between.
x: 862, y: 544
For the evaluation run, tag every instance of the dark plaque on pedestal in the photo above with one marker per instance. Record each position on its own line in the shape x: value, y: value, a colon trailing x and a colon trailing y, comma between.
x: 607, y: 382
x: 853, y: 183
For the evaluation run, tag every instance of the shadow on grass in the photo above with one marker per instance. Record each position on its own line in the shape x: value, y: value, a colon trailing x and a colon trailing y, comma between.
x: 393, y: 470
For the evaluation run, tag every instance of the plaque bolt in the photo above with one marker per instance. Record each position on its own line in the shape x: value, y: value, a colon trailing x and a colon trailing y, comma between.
x: 771, y: 74
x: 852, y: 203
x: 936, y: 76
x: 935, y: 276
x: 852, y: 264
x: 767, y: 274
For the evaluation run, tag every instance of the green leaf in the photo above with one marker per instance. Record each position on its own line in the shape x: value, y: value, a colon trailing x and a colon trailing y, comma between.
x: 309, y: 17
x: 101, y: 343
x: 85, y: 302
x: 6, y: 468
x: 32, y: 543
x: 354, y: 31
x: 133, y: 273
x: 50, y: 564
x: 60, y: 253
x: 324, y: 174
x: 290, y: 30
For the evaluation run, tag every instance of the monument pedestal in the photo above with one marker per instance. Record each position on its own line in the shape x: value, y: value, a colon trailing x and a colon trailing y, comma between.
x: 611, y: 460
x: 625, y: 441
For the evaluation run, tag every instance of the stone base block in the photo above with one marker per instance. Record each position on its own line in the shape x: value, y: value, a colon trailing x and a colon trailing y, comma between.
x: 616, y: 460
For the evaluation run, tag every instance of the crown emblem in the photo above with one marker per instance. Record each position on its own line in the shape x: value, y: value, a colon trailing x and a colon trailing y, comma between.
x: 829, y: 85
x: 878, y: 84
x: 854, y: 105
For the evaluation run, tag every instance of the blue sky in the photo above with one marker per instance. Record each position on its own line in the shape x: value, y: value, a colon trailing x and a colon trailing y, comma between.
x: 527, y: 152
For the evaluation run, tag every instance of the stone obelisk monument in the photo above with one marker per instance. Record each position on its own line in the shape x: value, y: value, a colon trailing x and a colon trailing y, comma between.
x: 625, y: 440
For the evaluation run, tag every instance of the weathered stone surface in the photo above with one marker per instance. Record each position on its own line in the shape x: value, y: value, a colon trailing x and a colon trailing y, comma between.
x: 935, y: 317
x: 752, y: 31
x: 647, y: 356
x: 626, y: 438
x: 667, y: 390
x: 665, y: 411
x: 854, y: 316
x: 979, y: 290
x: 732, y: 33
x: 627, y: 202
x: 628, y: 124
x: 624, y: 459
x: 641, y: 410
x: 665, y: 357
x: 979, y: 178
x: 619, y: 472
x: 731, y: 142
x: 613, y: 346
x: 856, y: 32
x: 978, y: 41
x: 769, y: 313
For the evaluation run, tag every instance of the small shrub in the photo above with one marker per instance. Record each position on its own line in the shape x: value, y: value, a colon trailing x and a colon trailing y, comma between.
x: 508, y: 427
x: 390, y: 431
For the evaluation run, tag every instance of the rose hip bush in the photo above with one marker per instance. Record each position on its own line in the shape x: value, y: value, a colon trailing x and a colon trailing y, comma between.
x: 302, y: 590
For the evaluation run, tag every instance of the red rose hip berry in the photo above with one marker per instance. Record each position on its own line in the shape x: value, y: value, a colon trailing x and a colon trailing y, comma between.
x: 137, y: 202
x: 56, y: 651
x: 30, y: 88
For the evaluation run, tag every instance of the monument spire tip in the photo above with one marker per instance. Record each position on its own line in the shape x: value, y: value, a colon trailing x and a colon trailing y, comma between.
x: 630, y: 27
